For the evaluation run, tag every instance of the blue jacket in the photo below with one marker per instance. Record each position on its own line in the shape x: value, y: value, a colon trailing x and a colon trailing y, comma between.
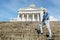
x: 45, y: 16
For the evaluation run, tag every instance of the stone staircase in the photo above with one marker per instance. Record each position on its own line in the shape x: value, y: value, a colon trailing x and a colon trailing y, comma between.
x: 26, y: 31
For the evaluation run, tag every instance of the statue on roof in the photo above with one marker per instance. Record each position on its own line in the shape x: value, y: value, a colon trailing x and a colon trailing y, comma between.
x: 32, y: 6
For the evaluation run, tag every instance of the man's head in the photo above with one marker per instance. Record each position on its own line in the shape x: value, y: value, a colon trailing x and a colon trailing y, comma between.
x: 44, y: 10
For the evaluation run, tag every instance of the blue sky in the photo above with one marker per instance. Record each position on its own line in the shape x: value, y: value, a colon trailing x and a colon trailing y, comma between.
x: 8, y: 8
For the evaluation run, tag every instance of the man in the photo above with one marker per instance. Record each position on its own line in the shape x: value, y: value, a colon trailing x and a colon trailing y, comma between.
x: 45, y: 21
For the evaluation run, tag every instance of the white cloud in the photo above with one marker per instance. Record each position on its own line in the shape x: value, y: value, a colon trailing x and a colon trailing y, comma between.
x: 53, y: 19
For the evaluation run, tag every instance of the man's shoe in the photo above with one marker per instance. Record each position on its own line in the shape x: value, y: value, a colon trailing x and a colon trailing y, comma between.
x: 49, y: 37
x: 39, y: 32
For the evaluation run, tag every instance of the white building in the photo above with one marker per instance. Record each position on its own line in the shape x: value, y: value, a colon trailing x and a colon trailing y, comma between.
x: 30, y: 13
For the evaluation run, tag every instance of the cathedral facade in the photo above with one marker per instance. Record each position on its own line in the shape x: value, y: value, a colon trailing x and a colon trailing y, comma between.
x: 31, y: 13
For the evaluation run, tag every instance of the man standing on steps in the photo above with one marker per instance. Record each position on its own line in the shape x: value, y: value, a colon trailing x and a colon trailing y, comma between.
x: 45, y: 21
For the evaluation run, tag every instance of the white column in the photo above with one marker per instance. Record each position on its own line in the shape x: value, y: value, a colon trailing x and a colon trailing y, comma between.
x: 18, y: 16
x: 41, y: 15
x: 22, y: 17
x: 33, y: 17
x: 37, y: 17
x: 27, y: 17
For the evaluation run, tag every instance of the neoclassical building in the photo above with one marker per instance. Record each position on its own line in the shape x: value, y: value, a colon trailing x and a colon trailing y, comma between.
x: 30, y: 13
